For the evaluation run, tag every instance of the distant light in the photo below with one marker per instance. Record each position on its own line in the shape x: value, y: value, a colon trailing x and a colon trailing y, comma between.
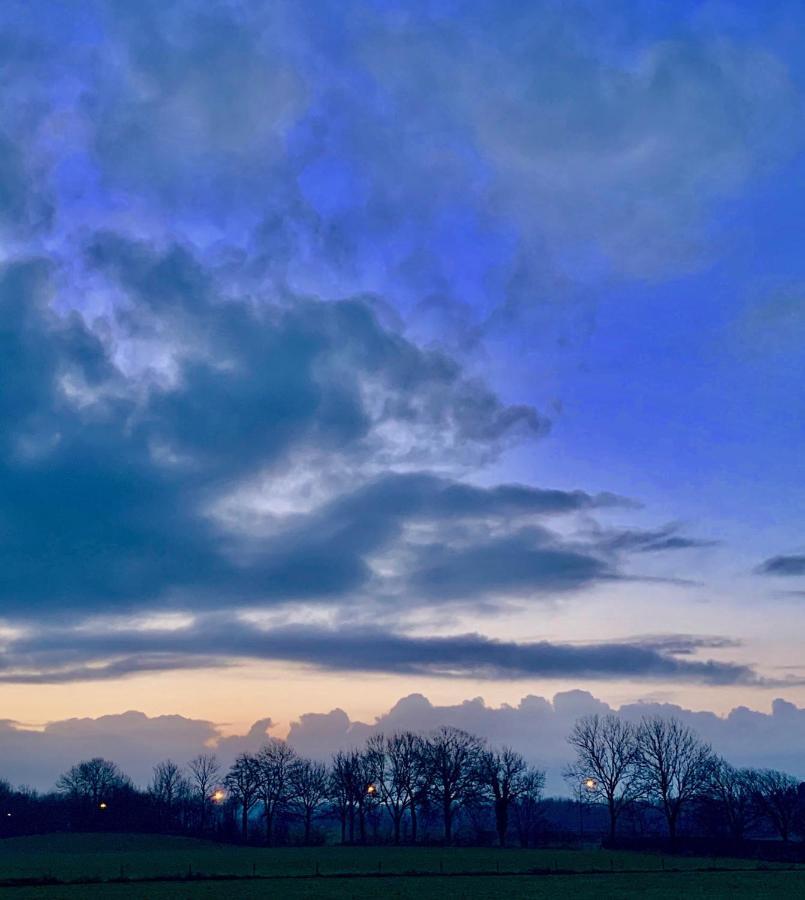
x: 9, y: 815
x: 101, y: 806
x: 218, y: 796
x: 591, y: 784
x: 371, y: 789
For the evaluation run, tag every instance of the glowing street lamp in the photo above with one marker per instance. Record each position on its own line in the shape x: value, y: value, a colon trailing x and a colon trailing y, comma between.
x: 218, y: 796
x: 371, y: 790
x: 102, y: 805
x: 591, y: 784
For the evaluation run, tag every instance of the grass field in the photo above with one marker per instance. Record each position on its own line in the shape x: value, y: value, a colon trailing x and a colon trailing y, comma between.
x: 368, y: 872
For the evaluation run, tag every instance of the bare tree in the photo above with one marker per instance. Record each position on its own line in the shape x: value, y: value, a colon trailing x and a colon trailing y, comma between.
x: 528, y: 806
x: 275, y: 760
x: 453, y: 757
x: 502, y: 772
x: 350, y: 779
x: 243, y: 784
x: 778, y: 798
x: 91, y: 780
x: 606, y: 763
x: 309, y: 789
x: 393, y: 764
x: 204, y: 770
x: 673, y: 763
x: 733, y: 792
x: 167, y: 787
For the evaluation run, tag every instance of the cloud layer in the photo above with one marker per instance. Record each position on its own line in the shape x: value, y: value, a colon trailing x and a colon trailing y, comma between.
x: 535, y: 726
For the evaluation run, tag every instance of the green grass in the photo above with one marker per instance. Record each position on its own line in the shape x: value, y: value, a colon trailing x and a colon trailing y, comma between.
x: 598, y: 873
x: 670, y: 886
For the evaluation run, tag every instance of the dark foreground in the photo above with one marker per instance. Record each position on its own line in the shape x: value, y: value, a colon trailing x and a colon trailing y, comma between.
x: 145, y: 866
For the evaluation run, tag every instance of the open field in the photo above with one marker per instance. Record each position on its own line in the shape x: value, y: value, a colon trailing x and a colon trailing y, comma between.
x: 368, y: 872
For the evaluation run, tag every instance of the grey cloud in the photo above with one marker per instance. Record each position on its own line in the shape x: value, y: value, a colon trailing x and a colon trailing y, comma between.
x: 793, y: 564
x: 64, y: 654
x: 525, y: 562
x: 649, y: 540
x: 105, y: 495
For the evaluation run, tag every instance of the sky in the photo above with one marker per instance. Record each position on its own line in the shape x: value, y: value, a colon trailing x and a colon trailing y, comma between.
x: 433, y: 349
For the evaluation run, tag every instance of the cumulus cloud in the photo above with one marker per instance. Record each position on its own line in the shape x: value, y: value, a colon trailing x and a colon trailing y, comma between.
x: 535, y: 726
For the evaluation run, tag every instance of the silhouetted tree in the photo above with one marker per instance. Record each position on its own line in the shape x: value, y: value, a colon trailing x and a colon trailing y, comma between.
x: 349, y: 780
x: 392, y: 766
x: 502, y: 773
x: 606, y: 762
x: 168, y: 787
x: 733, y: 794
x: 528, y: 806
x: 673, y: 764
x: 309, y: 790
x: 275, y: 761
x: 91, y: 780
x: 778, y: 798
x: 453, y: 760
x: 243, y: 783
x: 204, y: 770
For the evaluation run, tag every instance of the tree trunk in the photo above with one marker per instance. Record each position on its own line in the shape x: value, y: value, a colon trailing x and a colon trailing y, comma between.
x: 448, y: 822
x: 413, y: 823
x: 672, y: 827
x: 613, y: 823
x: 308, y: 817
x: 397, y: 819
x: 501, y: 820
x: 244, y: 822
x: 269, y: 825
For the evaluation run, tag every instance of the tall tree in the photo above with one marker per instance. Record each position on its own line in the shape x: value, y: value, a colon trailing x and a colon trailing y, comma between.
x: 606, y: 763
x: 309, y: 789
x: 167, y: 787
x: 674, y: 764
x: 91, y: 780
x: 528, y: 806
x: 204, y: 770
x: 778, y: 798
x: 243, y: 784
x: 453, y: 756
x: 733, y: 793
x: 275, y: 760
x: 393, y: 764
x: 349, y: 781
x: 502, y: 773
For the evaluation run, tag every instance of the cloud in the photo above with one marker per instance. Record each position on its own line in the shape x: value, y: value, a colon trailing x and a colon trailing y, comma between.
x: 650, y: 540
x: 65, y: 655
x: 793, y: 564
x: 151, y: 456
x: 111, y: 477
x: 535, y: 726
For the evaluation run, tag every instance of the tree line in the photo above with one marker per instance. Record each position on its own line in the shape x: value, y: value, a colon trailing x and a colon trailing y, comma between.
x: 408, y: 788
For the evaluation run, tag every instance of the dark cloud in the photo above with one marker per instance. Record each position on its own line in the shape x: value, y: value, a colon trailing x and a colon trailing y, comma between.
x: 654, y: 540
x: 108, y: 477
x: 526, y: 562
x: 69, y: 655
x: 793, y: 564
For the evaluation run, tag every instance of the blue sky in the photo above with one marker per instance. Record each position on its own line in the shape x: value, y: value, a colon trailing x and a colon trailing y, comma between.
x: 453, y: 345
